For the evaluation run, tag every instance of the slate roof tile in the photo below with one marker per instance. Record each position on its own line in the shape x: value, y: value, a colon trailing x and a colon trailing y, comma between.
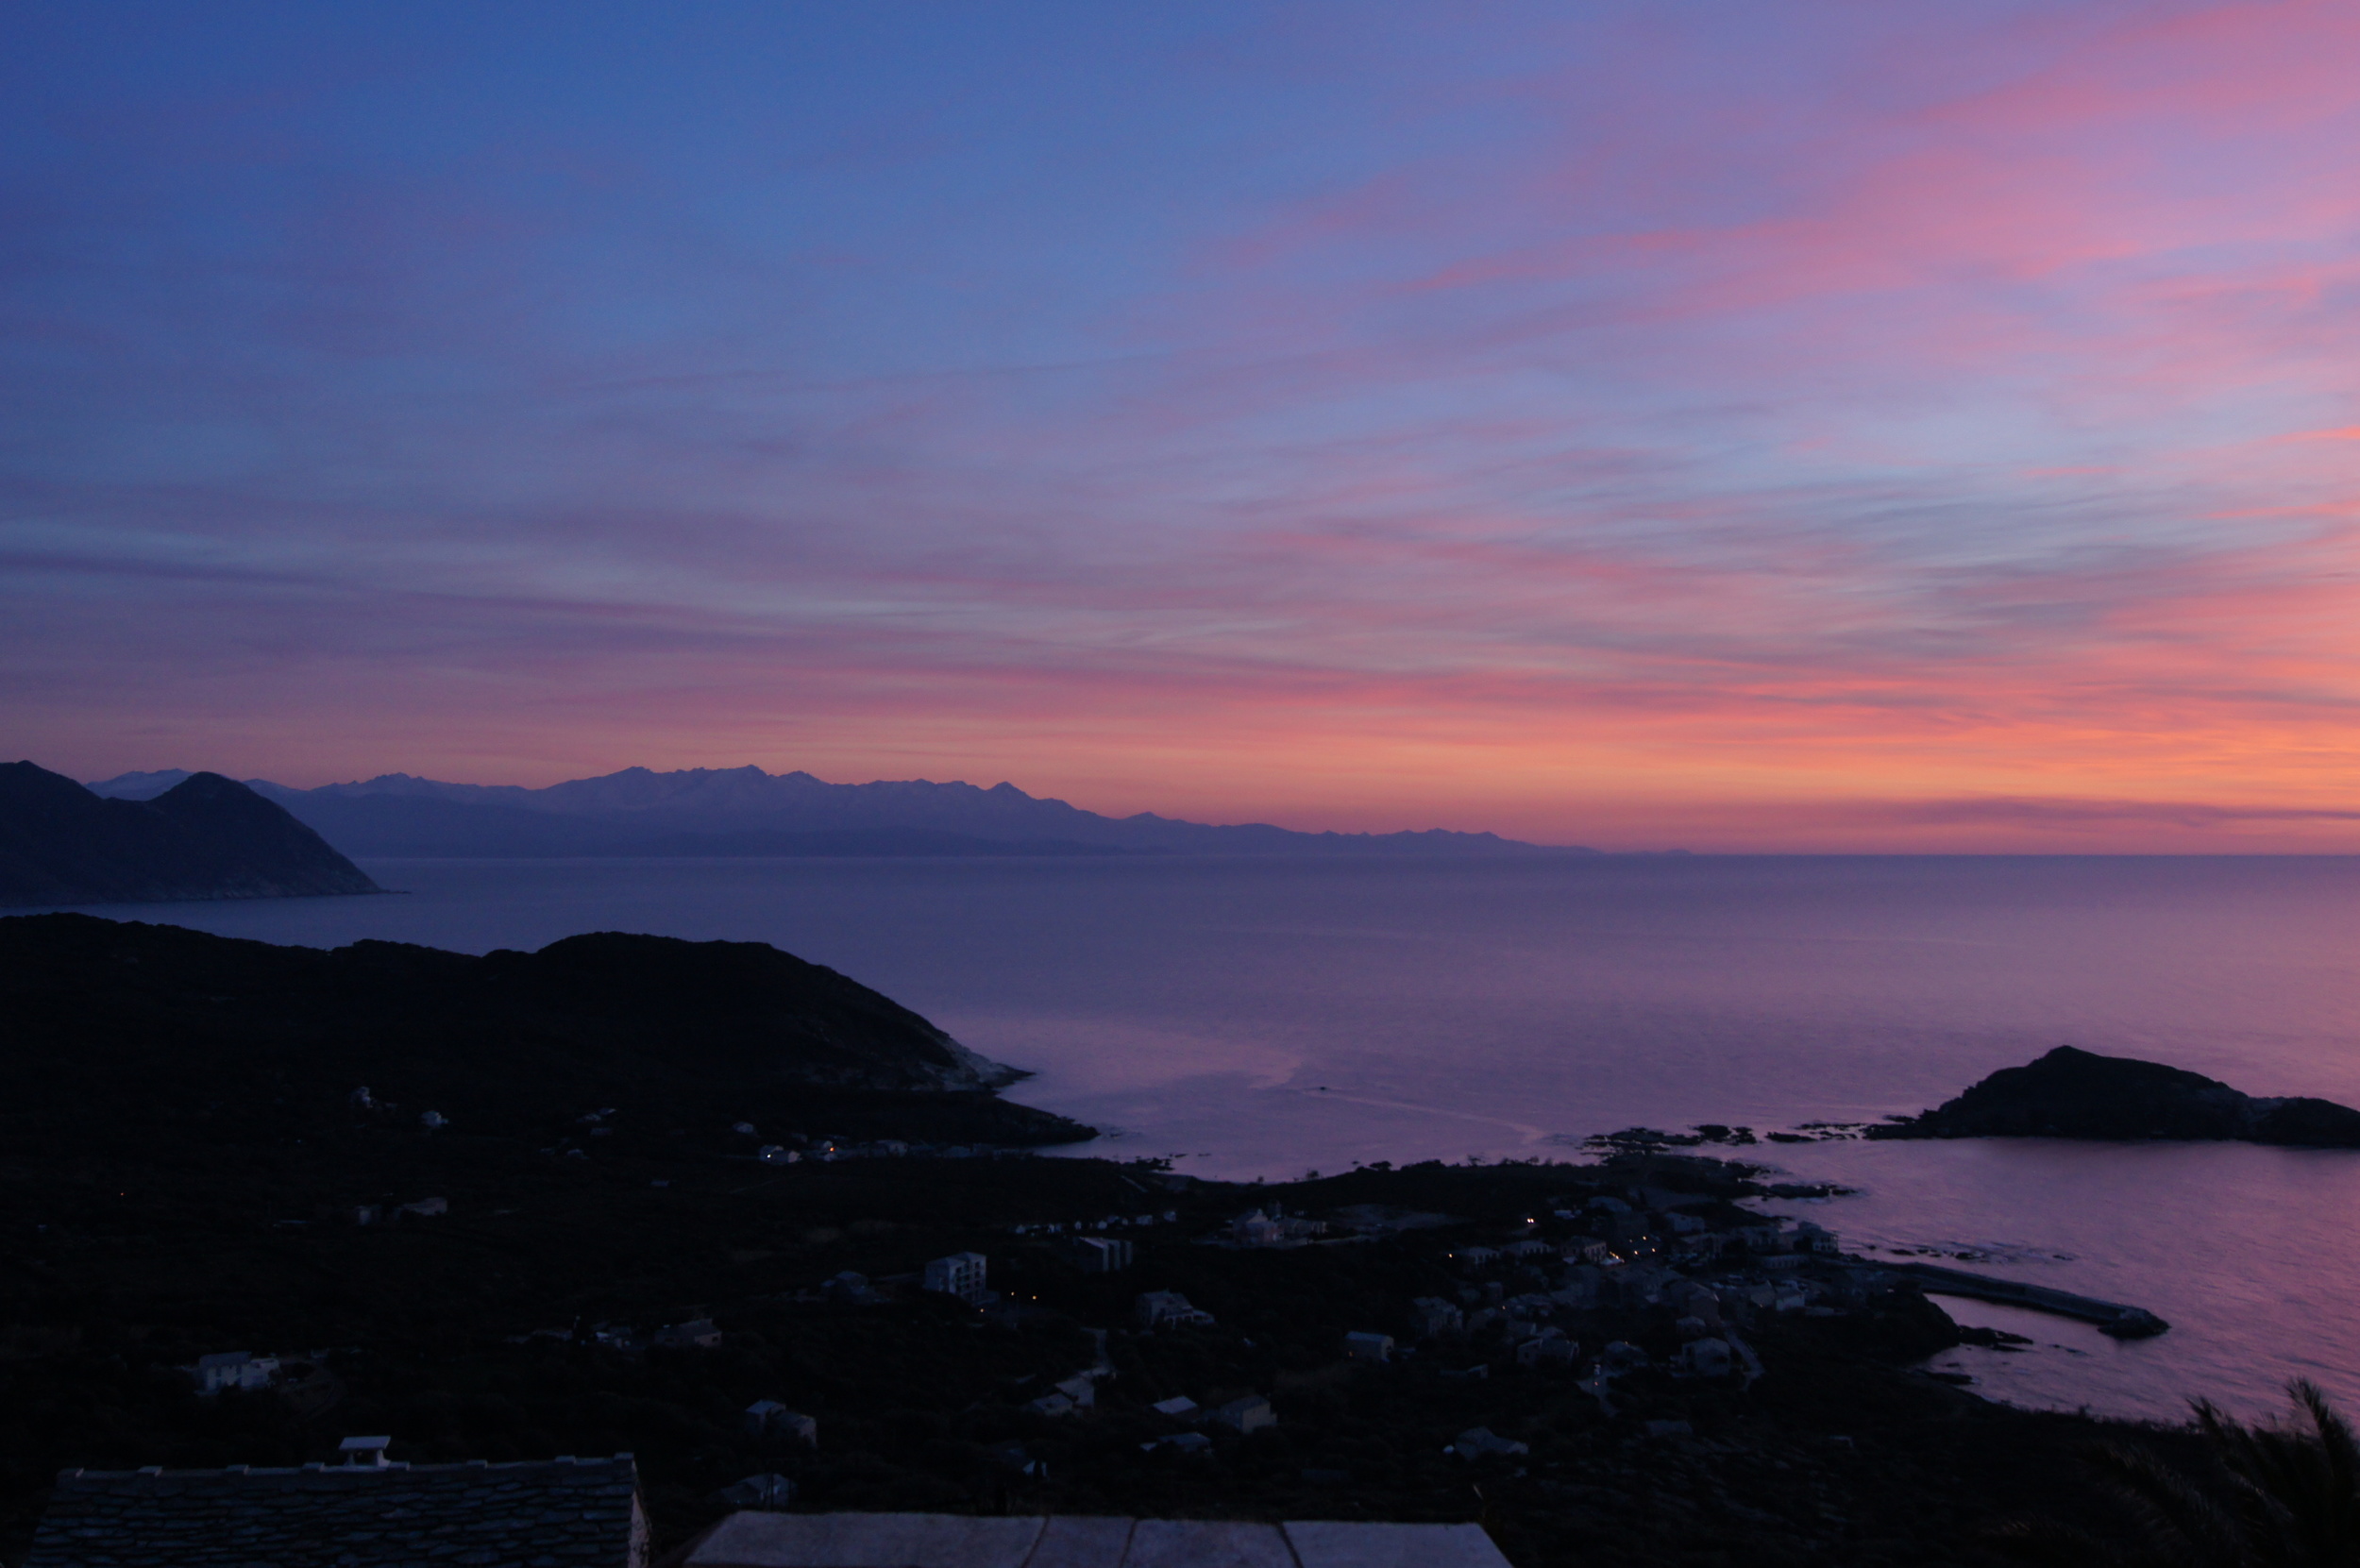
x: 553, y: 1514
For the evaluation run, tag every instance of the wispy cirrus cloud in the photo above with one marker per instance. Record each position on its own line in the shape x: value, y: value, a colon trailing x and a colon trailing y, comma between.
x: 1624, y: 419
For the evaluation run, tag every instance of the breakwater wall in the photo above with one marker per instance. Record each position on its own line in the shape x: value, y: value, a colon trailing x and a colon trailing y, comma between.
x: 2123, y: 1322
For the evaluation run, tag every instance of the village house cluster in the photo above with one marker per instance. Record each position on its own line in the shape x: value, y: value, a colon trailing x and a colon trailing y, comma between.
x: 829, y: 1147
x: 1628, y: 1280
x: 1574, y: 1290
x: 246, y: 1370
x: 1650, y: 1257
x: 1686, y: 1268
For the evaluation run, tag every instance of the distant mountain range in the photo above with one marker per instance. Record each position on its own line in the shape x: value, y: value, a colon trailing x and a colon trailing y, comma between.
x: 203, y: 838
x: 745, y: 811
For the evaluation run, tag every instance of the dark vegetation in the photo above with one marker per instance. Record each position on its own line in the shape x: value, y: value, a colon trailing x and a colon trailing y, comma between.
x: 207, y: 838
x: 2241, y: 1496
x: 2075, y: 1093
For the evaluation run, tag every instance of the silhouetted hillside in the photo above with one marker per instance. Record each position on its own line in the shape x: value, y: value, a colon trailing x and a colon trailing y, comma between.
x: 206, y: 837
x: 158, y: 1031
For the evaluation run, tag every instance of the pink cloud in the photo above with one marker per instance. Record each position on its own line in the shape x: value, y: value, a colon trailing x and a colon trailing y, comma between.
x: 1941, y: 430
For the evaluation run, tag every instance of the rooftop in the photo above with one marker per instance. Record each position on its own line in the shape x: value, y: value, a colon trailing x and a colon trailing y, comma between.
x: 1074, y: 1541
x: 557, y: 1512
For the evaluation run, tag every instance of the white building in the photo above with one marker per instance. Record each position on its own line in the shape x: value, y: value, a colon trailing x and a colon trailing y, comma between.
x: 1708, y: 1358
x: 1100, y: 1255
x: 779, y: 1540
x: 1552, y: 1349
x: 234, y: 1369
x: 767, y: 1417
x: 696, y: 1334
x: 1250, y: 1414
x: 1690, y: 1299
x: 960, y: 1275
x: 1160, y: 1308
x: 1258, y: 1229
x: 1436, y: 1316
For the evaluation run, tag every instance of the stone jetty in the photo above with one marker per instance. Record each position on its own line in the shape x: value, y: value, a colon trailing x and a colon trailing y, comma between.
x: 2122, y: 1322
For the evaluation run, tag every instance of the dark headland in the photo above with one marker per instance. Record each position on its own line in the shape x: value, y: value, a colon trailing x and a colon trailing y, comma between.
x: 2075, y: 1093
x: 206, y: 837
x: 188, y: 1035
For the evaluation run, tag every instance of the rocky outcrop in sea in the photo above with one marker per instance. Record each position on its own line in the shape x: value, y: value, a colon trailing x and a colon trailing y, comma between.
x: 2075, y: 1093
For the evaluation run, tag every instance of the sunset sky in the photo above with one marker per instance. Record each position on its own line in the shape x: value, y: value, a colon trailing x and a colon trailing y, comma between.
x: 1878, y: 426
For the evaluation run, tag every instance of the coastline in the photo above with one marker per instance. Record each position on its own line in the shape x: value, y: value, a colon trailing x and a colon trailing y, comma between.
x: 1834, y: 1450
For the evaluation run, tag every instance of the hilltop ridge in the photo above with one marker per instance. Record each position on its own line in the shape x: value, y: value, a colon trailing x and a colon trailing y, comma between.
x: 157, y: 1022
x: 746, y: 811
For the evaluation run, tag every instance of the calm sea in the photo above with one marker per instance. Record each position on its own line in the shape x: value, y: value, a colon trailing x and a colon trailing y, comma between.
x: 1260, y: 1017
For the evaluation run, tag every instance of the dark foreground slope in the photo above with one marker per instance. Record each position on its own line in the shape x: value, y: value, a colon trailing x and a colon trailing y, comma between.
x: 124, y: 1028
x: 207, y: 838
x: 183, y: 1168
x: 2073, y: 1093
x: 475, y: 1334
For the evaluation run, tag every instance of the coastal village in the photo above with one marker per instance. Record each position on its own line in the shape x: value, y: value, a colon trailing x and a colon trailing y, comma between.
x: 1424, y: 1346
x: 1683, y: 1273
x: 699, y: 1303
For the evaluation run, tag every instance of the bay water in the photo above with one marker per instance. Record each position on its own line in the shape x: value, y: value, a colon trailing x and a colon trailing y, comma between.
x: 1271, y: 1016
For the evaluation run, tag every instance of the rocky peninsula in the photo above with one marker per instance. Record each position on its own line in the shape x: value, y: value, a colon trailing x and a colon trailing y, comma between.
x: 2075, y: 1093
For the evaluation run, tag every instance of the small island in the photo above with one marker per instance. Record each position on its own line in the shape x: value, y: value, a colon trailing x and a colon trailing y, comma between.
x: 2075, y: 1093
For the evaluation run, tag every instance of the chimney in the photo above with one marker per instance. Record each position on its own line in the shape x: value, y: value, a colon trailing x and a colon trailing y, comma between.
x: 365, y: 1451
